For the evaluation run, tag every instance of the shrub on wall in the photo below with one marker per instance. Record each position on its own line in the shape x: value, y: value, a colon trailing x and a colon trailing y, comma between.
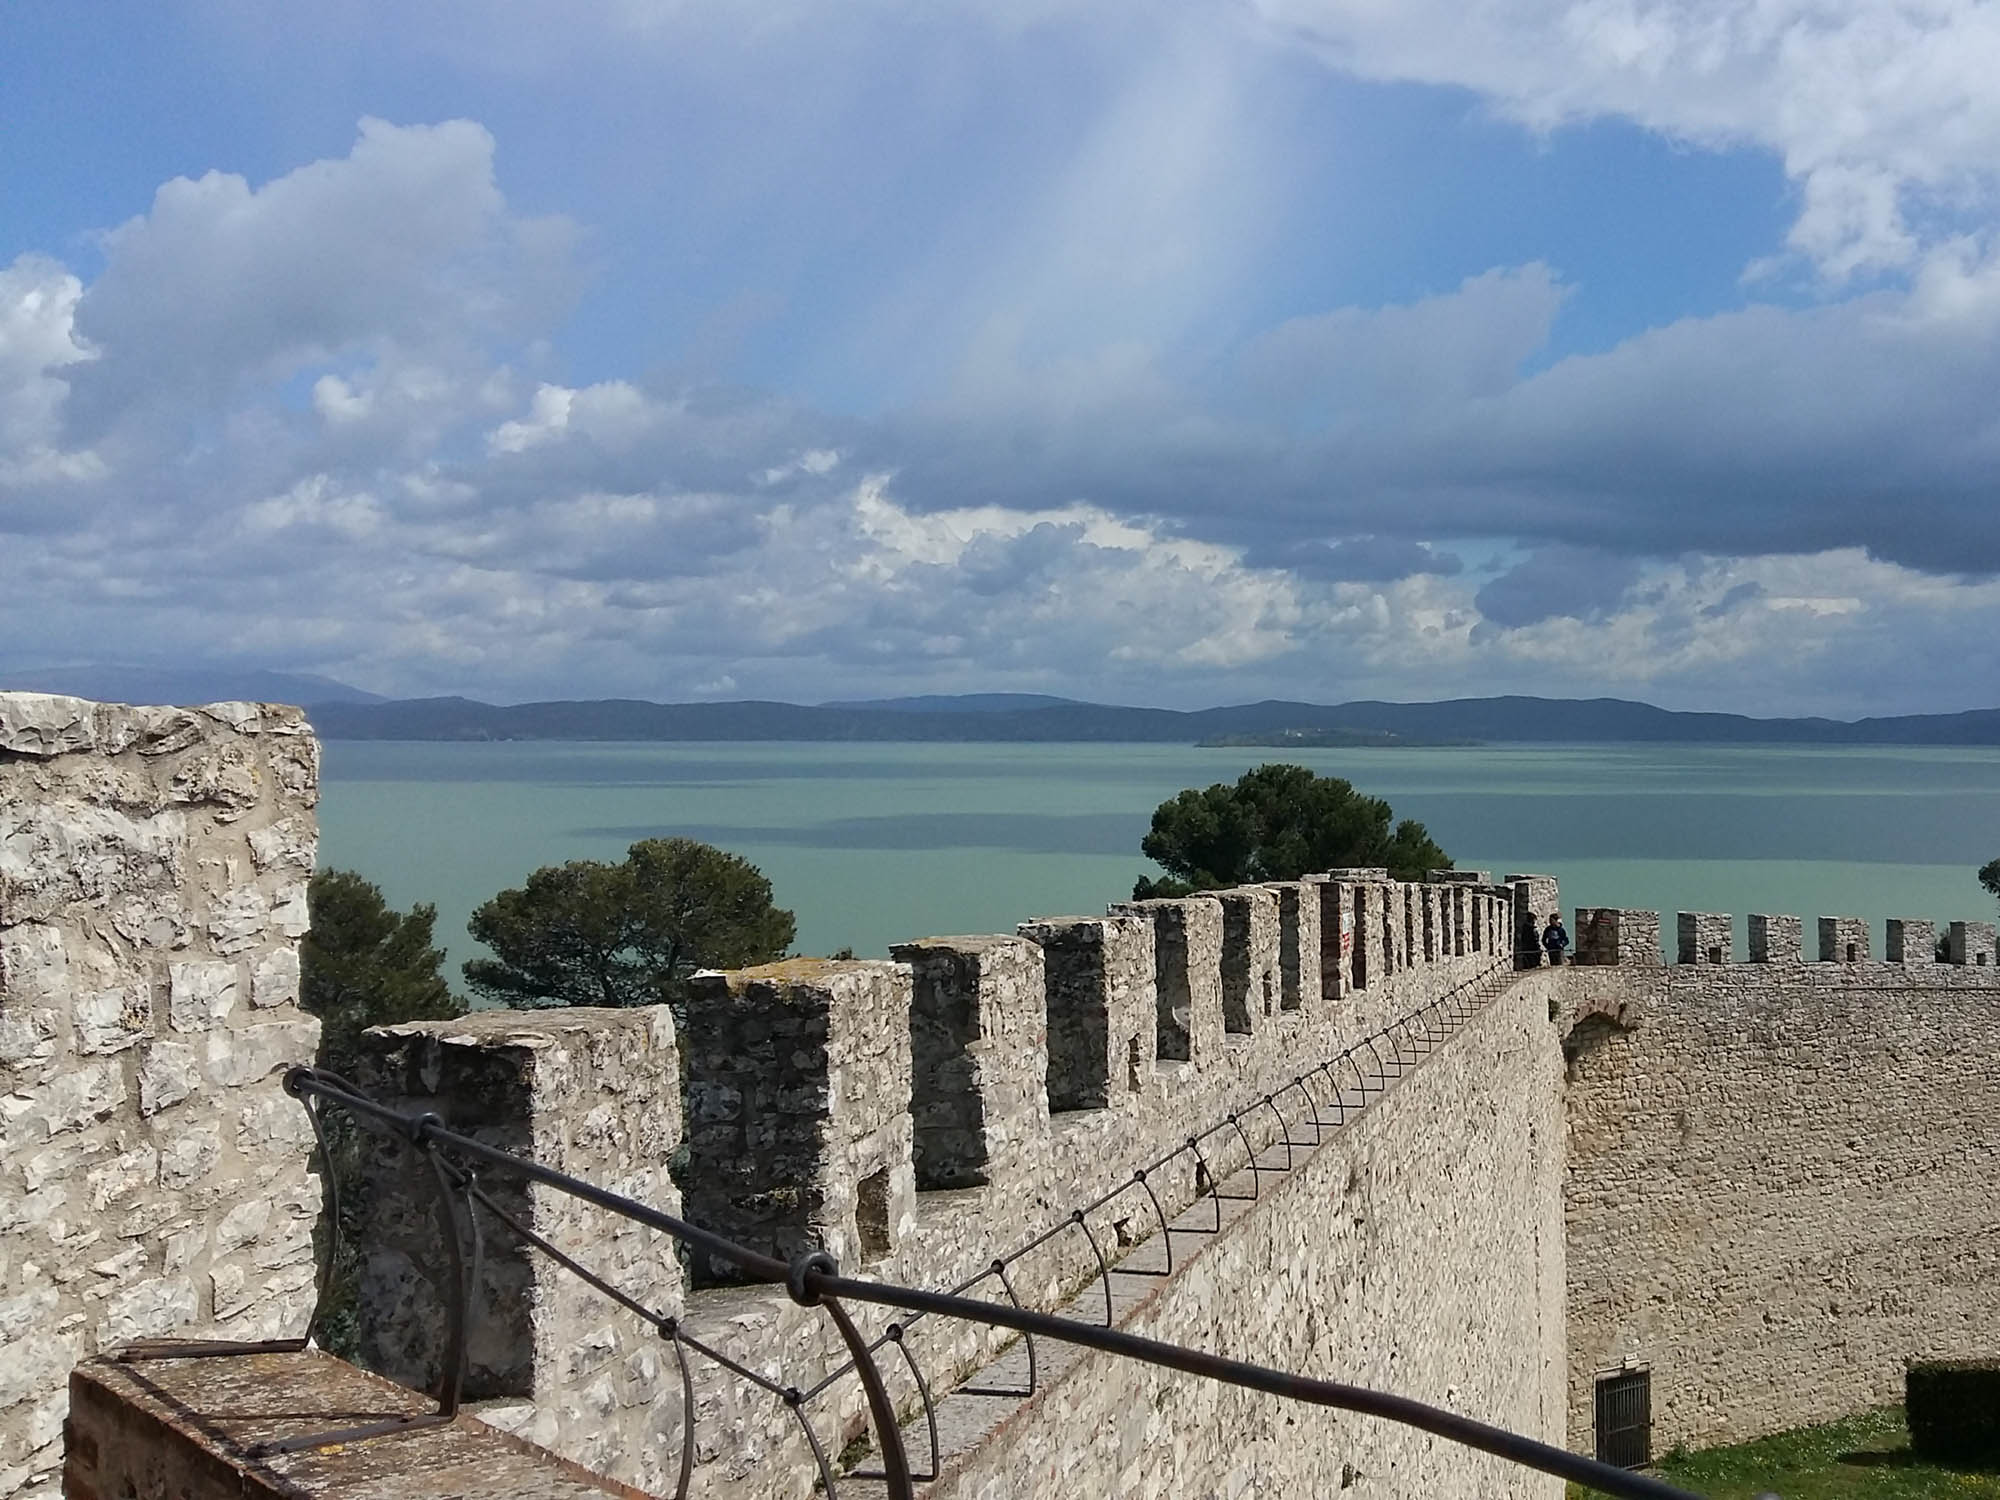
x: 1954, y: 1409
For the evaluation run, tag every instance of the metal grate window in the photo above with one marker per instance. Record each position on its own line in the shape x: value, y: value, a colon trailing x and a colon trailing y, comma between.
x: 1625, y: 1419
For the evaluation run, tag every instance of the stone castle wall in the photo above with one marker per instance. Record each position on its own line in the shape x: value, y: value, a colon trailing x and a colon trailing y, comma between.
x: 1419, y: 1251
x: 153, y: 1178
x: 921, y: 1116
x: 1766, y: 1183
x: 1782, y: 1173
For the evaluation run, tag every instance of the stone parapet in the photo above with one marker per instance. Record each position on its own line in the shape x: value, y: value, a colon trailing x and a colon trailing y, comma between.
x: 1250, y: 965
x: 814, y: 1090
x: 1187, y: 974
x: 1704, y: 937
x: 594, y: 1093
x: 1912, y: 940
x: 1776, y: 939
x: 1779, y: 1184
x: 798, y: 1110
x: 153, y: 1176
x: 979, y: 1058
x: 1972, y: 944
x: 1607, y: 935
x: 1843, y: 940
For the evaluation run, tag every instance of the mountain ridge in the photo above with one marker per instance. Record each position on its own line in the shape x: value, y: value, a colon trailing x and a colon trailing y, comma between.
x: 1510, y: 719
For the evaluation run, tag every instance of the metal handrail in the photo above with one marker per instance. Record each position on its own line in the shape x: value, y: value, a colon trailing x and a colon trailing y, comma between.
x: 814, y: 1280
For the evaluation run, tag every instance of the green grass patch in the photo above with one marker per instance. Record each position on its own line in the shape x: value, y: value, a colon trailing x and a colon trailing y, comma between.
x: 1868, y: 1455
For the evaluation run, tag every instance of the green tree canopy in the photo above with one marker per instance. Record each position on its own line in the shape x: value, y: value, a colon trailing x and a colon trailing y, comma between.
x: 1278, y: 822
x: 589, y: 933
x: 363, y: 965
x: 1989, y: 876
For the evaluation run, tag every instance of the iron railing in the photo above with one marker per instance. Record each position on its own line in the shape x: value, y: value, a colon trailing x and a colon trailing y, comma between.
x: 813, y: 1280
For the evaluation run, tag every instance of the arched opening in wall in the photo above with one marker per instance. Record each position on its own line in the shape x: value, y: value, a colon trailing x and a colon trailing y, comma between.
x: 871, y: 1214
x: 1590, y: 1034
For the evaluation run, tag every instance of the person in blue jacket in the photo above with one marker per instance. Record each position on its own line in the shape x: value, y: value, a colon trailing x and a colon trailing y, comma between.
x: 1555, y: 940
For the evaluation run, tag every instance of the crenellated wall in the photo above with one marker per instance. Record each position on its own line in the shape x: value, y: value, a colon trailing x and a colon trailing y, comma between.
x: 1766, y: 1182
x: 1782, y: 1172
x: 919, y: 1117
x: 153, y: 866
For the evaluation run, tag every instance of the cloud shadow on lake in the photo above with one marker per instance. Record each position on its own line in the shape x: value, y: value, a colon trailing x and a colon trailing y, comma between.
x: 1021, y: 833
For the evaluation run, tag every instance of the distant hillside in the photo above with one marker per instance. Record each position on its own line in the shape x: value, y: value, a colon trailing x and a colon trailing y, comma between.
x: 1514, y: 719
x: 962, y: 703
x: 108, y: 682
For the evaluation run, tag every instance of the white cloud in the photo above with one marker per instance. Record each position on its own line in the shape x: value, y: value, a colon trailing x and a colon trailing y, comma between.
x: 1883, y: 111
x: 38, y: 342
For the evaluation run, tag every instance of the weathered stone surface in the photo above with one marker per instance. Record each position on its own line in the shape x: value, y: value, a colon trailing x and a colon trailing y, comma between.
x: 592, y: 1092
x: 46, y: 724
x: 798, y: 1100
x: 128, y: 837
x: 1102, y: 1012
x: 1843, y: 940
x: 978, y: 1056
x: 1705, y: 937
x: 1775, y: 939
x: 200, y: 995
x: 1780, y: 1183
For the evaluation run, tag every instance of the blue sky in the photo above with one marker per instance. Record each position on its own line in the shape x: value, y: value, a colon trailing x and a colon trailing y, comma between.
x: 1161, y: 353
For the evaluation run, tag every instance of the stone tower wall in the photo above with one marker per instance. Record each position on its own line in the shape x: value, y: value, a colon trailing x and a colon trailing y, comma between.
x: 153, y: 1177
x: 1781, y: 1173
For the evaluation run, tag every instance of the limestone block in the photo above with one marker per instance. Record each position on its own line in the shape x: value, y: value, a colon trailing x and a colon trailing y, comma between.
x: 239, y: 919
x: 287, y: 844
x: 52, y: 855
x: 187, y: 1158
x: 112, y: 1020
x: 979, y: 1059
x: 249, y: 1053
x: 168, y: 1073
x: 46, y: 724
x: 151, y: 1309
x: 274, y: 979
x: 74, y: 1098
x: 28, y: 1037
x: 118, y: 1181
x: 242, y: 1224
x: 201, y: 995
x: 1912, y: 941
x: 244, y: 718
x: 1843, y: 940
x: 1775, y: 939
x: 1706, y: 937
x: 223, y: 776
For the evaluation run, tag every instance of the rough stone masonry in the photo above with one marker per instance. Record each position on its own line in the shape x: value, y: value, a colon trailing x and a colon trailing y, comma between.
x: 1761, y: 1185
x: 153, y: 1177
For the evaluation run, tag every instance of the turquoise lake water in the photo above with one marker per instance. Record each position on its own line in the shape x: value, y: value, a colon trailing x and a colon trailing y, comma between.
x: 872, y: 844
